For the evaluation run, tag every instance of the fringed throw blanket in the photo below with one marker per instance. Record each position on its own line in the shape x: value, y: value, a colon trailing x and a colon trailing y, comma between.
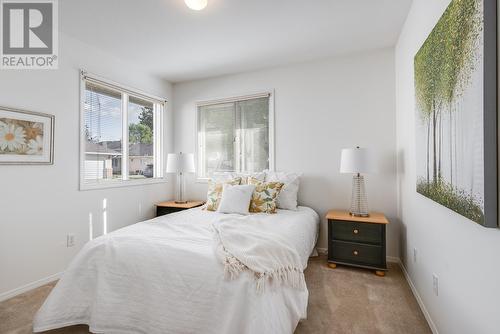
x: 244, y: 243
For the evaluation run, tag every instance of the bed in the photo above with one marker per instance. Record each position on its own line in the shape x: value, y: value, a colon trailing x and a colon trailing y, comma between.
x: 161, y: 276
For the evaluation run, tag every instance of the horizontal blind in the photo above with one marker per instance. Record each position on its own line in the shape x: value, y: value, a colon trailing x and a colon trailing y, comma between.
x: 233, y: 134
x: 234, y: 99
x: 103, y: 132
x: 253, y: 134
x: 216, y: 124
x: 92, y: 79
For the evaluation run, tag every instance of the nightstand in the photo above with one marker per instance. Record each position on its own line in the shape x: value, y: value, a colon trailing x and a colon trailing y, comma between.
x: 164, y: 208
x: 357, y: 241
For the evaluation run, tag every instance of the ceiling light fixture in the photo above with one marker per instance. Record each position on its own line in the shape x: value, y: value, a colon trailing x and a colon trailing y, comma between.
x: 196, y: 4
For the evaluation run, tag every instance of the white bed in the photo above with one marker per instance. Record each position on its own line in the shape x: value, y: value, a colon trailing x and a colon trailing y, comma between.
x: 162, y: 276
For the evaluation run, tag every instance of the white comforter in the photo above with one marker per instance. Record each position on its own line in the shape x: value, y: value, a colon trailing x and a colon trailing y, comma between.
x: 162, y: 276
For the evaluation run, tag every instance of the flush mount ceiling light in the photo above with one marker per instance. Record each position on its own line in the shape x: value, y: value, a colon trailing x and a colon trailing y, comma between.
x: 196, y: 4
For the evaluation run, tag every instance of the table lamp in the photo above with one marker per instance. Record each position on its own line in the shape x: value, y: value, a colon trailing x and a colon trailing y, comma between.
x: 356, y: 161
x: 180, y: 164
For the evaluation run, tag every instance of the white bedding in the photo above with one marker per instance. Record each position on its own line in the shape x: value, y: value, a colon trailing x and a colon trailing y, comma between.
x: 162, y: 276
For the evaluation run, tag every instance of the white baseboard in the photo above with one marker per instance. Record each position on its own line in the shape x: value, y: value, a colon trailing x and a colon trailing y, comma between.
x: 418, y: 298
x: 29, y: 286
x: 393, y: 259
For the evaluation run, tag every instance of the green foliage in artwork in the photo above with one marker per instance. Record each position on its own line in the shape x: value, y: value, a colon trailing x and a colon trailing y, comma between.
x: 445, y: 62
x: 455, y: 199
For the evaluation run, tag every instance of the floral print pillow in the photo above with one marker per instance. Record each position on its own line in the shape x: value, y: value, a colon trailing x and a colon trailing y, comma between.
x: 264, y: 196
x: 214, y: 193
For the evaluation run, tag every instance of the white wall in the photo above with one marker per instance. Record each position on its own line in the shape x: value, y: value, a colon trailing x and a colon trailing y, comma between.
x: 39, y: 205
x: 320, y: 108
x: 464, y: 255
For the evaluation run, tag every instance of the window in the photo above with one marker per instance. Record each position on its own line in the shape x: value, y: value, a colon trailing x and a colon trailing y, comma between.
x: 122, y: 135
x: 235, y: 135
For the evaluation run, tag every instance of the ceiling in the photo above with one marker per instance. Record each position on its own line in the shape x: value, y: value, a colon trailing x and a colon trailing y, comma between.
x: 165, y: 38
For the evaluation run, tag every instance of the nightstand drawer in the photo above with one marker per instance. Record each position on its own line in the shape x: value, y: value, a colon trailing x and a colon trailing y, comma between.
x: 357, y: 232
x: 165, y: 208
x: 160, y: 211
x: 350, y: 252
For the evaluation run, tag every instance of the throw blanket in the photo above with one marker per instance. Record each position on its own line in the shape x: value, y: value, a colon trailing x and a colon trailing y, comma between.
x: 244, y: 243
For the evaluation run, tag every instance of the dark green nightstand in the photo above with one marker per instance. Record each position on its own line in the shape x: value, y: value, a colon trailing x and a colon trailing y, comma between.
x: 164, y: 208
x: 357, y: 241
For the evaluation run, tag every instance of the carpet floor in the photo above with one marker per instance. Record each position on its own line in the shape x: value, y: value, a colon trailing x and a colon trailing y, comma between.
x: 342, y: 300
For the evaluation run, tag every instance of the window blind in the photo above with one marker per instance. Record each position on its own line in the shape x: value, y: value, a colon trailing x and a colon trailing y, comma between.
x: 103, y: 132
x: 233, y: 135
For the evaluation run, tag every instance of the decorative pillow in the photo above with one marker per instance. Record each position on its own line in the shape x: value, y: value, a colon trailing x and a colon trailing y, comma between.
x: 236, y: 199
x: 264, y: 196
x: 225, y: 176
x: 287, y: 198
x: 214, y: 192
x: 261, y: 176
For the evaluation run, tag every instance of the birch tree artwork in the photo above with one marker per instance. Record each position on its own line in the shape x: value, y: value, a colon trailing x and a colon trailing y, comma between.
x: 449, y: 111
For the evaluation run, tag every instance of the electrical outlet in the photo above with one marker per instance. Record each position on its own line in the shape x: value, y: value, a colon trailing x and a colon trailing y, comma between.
x: 415, y: 255
x: 435, y: 284
x: 70, y: 240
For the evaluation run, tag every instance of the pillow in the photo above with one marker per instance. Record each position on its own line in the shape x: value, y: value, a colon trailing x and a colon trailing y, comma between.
x: 214, y: 192
x: 261, y: 176
x: 264, y: 196
x: 287, y: 198
x: 236, y: 199
x: 225, y: 176
x: 221, y: 177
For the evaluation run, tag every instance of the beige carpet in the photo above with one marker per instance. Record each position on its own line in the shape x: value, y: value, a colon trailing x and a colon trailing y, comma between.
x: 342, y: 300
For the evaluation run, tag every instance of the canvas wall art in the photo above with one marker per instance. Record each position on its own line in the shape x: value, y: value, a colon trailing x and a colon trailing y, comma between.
x: 26, y: 137
x: 456, y: 99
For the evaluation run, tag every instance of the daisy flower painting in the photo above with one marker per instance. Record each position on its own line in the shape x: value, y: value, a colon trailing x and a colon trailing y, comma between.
x: 25, y: 137
x: 12, y: 138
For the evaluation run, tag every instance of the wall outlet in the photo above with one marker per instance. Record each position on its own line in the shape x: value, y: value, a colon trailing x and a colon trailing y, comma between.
x: 415, y: 255
x: 435, y: 284
x: 70, y: 240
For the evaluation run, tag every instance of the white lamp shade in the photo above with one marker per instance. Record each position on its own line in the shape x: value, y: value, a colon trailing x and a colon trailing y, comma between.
x: 180, y: 163
x: 356, y: 160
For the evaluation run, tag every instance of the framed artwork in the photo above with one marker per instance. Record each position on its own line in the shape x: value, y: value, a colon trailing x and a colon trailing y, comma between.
x: 456, y: 111
x: 26, y: 137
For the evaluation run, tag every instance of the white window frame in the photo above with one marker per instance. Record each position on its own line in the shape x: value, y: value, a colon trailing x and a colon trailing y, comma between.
x: 158, y: 141
x: 234, y: 98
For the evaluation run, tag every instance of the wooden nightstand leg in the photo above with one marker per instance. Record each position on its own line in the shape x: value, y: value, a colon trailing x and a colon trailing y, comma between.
x: 332, y: 265
x: 380, y: 273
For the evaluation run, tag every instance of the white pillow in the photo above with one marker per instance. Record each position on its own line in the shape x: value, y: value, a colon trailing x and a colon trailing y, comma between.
x: 261, y: 176
x: 236, y: 199
x: 287, y: 198
x: 224, y: 176
x: 221, y: 177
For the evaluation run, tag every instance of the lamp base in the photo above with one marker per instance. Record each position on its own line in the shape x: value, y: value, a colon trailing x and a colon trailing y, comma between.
x: 359, y: 214
x: 180, y: 202
x: 359, y: 205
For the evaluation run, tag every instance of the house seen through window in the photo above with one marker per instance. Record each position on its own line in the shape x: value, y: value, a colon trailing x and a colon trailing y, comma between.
x: 122, y: 136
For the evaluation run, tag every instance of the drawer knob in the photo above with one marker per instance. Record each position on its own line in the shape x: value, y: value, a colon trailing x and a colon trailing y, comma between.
x: 355, y: 231
x: 355, y: 252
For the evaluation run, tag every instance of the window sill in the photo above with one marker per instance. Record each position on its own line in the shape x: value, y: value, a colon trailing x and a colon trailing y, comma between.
x: 119, y: 184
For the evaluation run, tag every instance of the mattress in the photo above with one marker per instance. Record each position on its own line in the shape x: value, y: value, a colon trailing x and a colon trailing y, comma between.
x: 162, y: 276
